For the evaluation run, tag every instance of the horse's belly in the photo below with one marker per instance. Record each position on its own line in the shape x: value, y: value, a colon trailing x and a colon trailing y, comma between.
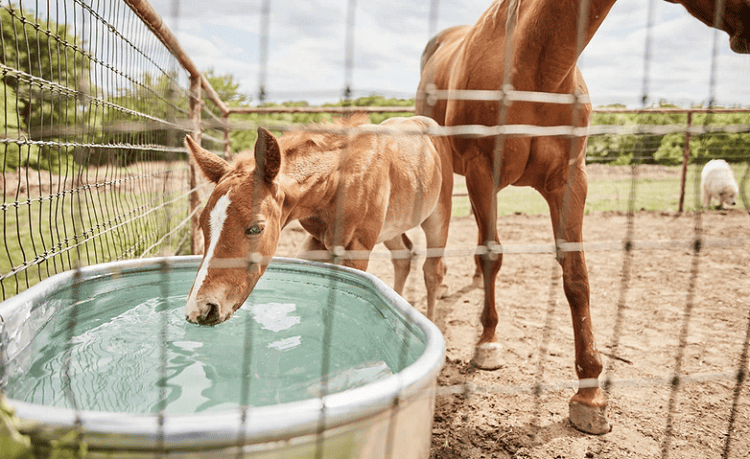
x: 415, y: 177
x: 408, y: 213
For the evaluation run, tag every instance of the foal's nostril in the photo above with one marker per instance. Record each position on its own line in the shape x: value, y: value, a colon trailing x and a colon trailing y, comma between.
x: 211, y: 314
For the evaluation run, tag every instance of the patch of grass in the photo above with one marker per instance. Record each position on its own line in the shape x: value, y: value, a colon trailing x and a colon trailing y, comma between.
x: 647, y: 194
x: 43, y: 238
x: 115, y: 226
x: 511, y: 200
x: 611, y: 195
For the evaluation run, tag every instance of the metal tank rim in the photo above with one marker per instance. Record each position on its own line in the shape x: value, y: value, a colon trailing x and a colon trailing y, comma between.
x: 221, y: 429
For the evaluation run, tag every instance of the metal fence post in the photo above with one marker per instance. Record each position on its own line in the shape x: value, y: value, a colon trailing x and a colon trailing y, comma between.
x: 227, y: 139
x: 685, y: 161
x: 196, y: 106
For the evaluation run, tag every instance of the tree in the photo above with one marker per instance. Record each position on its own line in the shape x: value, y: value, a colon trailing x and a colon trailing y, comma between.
x: 733, y: 147
x: 622, y: 149
x: 668, y: 149
x: 40, y: 92
x: 13, y: 153
x: 227, y: 89
x: 151, y: 111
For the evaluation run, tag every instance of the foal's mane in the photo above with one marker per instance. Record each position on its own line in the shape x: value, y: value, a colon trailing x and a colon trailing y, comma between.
x: 305, y: 141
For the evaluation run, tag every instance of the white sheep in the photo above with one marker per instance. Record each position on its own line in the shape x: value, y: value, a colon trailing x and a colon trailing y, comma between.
x: 717, y: 181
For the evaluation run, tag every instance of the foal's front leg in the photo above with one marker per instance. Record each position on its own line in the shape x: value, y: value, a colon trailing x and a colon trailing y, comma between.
x: 356, y: 255
x: 401, y: 255
x: 312, y: 249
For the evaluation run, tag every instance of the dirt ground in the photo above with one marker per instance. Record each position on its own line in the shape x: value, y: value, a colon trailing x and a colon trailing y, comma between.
x: 662, y: 287
x: 654, y: 293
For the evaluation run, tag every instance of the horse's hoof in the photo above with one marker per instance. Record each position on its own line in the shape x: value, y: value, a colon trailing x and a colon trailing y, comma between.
x: 588, y: 419
x: 487, y: 356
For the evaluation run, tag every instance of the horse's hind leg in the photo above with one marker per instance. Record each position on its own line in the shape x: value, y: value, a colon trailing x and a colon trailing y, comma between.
x: 588, y: 405
x: 401, y: 255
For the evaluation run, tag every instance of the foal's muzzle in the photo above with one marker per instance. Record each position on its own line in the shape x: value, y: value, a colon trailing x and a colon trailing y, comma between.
x: 210, y: 314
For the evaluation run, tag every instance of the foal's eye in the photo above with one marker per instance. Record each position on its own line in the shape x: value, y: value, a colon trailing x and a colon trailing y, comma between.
x: 253, y: 230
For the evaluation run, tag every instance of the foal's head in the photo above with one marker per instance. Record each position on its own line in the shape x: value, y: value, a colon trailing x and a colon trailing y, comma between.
x: 241, y: 226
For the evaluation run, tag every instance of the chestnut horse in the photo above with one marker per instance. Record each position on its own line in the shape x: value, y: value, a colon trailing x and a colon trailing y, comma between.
x: 542, y: 54
x: 348, y: 191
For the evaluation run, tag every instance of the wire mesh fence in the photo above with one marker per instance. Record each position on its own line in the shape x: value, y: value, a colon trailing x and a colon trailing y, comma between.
x: 93, y: 167
x: 93, y: 145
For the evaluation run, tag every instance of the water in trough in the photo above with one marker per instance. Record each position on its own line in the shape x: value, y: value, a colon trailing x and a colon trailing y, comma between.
x: 272, y: 349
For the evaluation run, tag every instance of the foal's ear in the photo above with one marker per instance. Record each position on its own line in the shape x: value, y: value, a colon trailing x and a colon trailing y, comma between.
x: 267, y: 155
x: 213, y: 167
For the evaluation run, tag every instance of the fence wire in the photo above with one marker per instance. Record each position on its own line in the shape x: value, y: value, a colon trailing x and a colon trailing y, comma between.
x: 94, y: 170
x: 93, y: 164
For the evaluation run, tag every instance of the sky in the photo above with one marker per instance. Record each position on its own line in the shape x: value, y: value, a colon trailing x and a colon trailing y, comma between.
x: 307, y: 49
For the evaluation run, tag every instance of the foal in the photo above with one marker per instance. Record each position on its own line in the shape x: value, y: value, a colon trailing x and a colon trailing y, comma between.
x: 348, y: 191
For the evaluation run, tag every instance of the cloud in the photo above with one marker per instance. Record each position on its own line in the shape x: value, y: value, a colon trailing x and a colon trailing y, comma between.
x: 680, y: 59
x: 307, y: 49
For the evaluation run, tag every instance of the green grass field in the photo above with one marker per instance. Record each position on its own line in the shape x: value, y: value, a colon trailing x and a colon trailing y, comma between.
x: 42, y: 238
x: 111, y: 226
x: 607, y: 194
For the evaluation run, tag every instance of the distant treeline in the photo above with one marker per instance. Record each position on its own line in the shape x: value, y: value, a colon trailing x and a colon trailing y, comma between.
x: 616, y: 149
x: 668, y: 149
x: 58, y: 114
x: 244, y: 139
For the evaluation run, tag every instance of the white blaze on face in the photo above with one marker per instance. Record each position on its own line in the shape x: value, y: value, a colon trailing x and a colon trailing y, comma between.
x: 216, y: 223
